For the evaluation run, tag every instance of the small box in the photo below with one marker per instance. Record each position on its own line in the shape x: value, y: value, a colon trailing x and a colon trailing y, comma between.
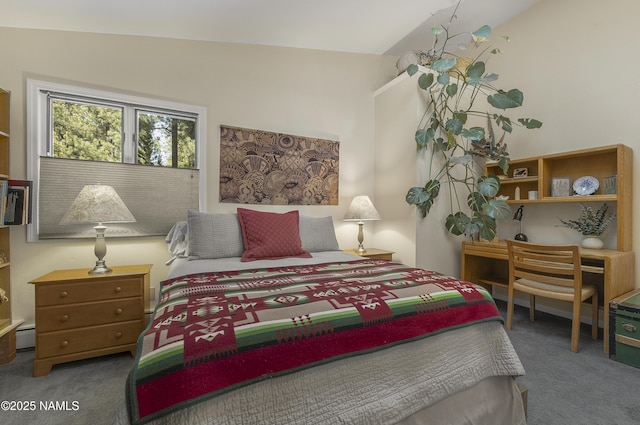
x: 624, y: 328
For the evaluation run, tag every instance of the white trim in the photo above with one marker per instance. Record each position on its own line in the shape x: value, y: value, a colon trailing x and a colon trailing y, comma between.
x: 37, y: 132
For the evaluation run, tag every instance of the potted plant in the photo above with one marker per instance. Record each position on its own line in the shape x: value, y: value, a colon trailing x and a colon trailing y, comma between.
x: 591, y: 224
x: 453, y: 83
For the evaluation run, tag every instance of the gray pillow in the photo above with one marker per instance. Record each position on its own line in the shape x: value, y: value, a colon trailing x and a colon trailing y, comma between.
x: 214, y: 236
x: 317, y: 234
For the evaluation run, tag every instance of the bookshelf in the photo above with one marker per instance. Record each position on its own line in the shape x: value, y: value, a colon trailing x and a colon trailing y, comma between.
x: 7, y: 325
x: 601, y: 162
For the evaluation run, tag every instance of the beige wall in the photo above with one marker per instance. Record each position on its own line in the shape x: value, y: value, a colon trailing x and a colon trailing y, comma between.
x: 305, y: 92
x: 576, y: 63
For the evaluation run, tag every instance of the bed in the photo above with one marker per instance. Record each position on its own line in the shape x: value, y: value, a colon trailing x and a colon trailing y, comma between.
x: 263, y: 320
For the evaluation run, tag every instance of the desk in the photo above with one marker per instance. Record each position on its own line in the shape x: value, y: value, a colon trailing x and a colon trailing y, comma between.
x: 487, y: 264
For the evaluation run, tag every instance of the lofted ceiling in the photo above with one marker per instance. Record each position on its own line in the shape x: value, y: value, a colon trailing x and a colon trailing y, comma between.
x: 357, y: 26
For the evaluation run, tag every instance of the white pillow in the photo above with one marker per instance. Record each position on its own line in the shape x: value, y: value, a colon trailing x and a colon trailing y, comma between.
x: 214, y: 236
x: 177, y: 241
x: 318, y: 234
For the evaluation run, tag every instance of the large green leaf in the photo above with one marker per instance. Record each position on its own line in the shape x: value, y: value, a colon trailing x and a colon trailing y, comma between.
x: 481, y: 33
x: 473, y: 133
x: 497, y: 209
x: 424, y: 136
x: 423, y: 197
x: 425, y: 81
x: 503, y: 163
x: 444, y: 78
x: 506, y: 100
x: 530, y: 122
x: 476, y: 201
x: 488, y: 185
x: 503, y: 122
x: 475, y: 72
x: 457, y: 223
x: 451, y: 90
x: 487, y: 226
x: 443, y: 64
x: 417, y: 195
x: 454, y: 125
x: 490, y: 78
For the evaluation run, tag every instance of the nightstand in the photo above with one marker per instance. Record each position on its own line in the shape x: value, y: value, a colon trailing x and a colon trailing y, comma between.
x: 375, y: 253
x: 81, y: 315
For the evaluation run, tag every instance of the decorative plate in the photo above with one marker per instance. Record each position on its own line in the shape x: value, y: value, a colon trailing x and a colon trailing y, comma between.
x: 586, y: 185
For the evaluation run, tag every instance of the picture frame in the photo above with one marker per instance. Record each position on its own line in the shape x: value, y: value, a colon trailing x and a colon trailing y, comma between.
x: 561, y: 186
x: 610, y: 185
x: 520, y: 173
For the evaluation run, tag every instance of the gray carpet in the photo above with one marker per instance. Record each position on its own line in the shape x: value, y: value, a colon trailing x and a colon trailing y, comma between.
x: 565, y: 388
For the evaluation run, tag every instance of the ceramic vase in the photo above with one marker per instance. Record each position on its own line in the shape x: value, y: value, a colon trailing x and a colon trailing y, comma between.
x: 592, y: 242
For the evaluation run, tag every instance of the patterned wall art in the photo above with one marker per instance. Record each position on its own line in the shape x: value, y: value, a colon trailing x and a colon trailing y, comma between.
x: 262, y: 167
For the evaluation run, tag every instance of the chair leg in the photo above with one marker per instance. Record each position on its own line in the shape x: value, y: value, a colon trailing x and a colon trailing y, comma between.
x: 510, y: 307
x: 594, y: 316
x: 575, y: 326
x: 532, y: 307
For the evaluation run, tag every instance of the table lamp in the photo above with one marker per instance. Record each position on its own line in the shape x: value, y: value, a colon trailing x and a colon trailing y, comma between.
x: 98, y: 204
x: 361, y: 210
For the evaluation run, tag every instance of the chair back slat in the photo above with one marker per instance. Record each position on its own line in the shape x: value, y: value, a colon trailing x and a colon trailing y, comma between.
x: 551, y: 271
x: 549, y: 264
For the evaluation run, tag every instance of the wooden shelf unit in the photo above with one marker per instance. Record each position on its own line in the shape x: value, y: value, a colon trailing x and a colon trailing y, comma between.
x: 5, y: 269
x: 7, y: 325
x: 613, y: 160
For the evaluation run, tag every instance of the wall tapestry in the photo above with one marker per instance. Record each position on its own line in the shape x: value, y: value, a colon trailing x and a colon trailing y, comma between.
x: 261, y: 167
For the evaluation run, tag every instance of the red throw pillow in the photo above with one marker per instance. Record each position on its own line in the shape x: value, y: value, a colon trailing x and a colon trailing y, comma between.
x: 269, y: 236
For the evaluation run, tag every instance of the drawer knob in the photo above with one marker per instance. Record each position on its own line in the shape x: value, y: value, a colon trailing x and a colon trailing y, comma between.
x: 64, y: 318
x: 628, y: 327
x: 64, y: 344
x: 63, y: 294
x: 118, y: 311
x: 118, y: 335
x: 118, y: 289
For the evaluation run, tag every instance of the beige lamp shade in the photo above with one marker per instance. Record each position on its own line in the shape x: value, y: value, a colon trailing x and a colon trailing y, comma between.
x: 361, y: 209
x: 97, y: 204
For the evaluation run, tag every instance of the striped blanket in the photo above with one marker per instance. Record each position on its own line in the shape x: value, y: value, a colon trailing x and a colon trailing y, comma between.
x: 214, y: 332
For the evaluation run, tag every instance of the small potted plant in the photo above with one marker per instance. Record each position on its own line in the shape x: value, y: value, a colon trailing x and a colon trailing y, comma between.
x: 591, y: 224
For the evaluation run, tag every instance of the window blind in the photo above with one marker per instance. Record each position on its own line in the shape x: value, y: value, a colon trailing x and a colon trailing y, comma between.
x: 156, y: 196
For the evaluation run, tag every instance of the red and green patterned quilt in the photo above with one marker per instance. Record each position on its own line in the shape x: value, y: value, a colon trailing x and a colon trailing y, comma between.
x: 214, y: 332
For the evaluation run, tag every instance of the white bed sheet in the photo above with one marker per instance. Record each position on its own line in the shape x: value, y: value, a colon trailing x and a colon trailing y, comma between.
x: 182, y: 266
x: 462, y: 376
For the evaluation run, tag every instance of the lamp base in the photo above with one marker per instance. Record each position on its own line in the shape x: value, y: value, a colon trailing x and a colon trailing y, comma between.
x: 100, y: 268
x: 361, y: 249
x: 521, y: 237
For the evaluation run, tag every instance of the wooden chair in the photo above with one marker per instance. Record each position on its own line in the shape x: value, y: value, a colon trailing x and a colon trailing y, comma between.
x: 551, y: 271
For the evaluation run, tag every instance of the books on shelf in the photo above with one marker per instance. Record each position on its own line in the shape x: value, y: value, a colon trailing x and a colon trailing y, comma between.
x: 16, y: 202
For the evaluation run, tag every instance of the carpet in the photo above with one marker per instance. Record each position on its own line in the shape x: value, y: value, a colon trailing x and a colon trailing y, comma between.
x: 565, y: 388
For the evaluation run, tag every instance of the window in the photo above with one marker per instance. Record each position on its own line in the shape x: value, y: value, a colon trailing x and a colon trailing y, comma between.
x: 147, y: 149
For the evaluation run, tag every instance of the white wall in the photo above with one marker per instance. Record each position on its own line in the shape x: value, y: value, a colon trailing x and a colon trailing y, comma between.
x: 576, y: 63
x: 396, y: 118
x: 302, y: 92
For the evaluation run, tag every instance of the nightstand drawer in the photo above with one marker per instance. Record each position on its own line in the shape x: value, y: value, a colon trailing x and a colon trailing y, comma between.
x: 97, y: 290
x: 78, y: 340
x: 88, y: 314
